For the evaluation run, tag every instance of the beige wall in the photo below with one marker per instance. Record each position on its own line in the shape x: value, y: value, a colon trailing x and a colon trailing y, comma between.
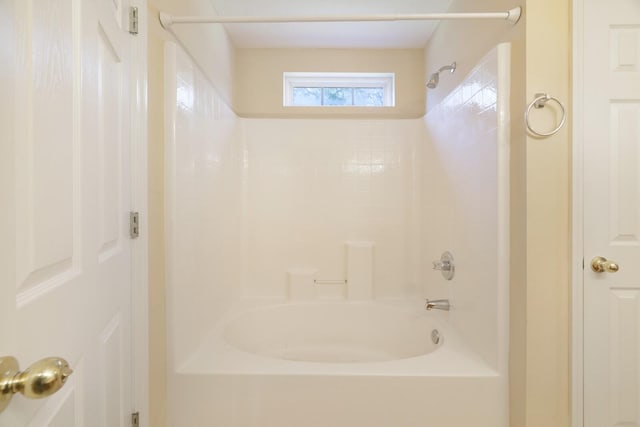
x: 215, y: 57
x: 518, y: 271
x: 548, y: 221
x: 157, y: 309
x: 259, y: 91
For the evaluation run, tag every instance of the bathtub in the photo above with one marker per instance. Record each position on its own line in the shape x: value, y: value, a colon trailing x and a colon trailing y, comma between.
x: 339, y: 364
x: 332, y: 332
x: 270, y: 363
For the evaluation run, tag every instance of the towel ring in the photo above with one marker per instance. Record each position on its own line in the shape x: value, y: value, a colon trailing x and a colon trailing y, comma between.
x: 539, y: 102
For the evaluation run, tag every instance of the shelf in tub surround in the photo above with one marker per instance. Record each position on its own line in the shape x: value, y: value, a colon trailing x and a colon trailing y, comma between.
x: 305, y: 285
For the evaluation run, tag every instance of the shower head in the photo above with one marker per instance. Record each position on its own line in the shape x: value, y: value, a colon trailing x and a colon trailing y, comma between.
x: 433, y: 80
x: 435, y: 77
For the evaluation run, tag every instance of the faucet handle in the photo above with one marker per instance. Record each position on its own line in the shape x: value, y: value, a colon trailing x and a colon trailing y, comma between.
x: 446, y: 265
x: 442, y: 265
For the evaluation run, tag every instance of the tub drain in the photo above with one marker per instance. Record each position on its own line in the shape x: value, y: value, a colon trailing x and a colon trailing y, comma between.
x: 435, y: 336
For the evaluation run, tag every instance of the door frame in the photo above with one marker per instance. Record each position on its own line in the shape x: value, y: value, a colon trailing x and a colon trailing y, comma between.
x: 577, y: 227
x: 139, y: 203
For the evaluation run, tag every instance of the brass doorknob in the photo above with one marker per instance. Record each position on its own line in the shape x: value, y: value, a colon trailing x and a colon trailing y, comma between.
x: 39, y: 380
x: 601, y: 265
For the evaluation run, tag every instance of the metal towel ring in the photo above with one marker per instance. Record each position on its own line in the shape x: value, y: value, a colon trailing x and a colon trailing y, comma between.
x: 539, y: 102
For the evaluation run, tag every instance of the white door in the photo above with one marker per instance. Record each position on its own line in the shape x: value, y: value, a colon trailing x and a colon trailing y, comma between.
x: 611, y: 140
x: 65, y: 252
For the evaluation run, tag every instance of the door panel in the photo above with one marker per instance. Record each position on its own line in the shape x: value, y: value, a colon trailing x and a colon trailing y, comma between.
x: 66, y: 259
x: 109, y: 136
x: 113, y: 375
x: 624, y: 222
x: 612, y: 212
x: 624, y: 306
x: 45, y: 73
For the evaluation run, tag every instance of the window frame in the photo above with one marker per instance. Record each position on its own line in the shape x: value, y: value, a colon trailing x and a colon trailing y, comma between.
x: 292, y: 80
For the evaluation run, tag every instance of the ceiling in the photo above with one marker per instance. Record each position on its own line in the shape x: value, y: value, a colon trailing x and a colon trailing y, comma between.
x: 408, y: 34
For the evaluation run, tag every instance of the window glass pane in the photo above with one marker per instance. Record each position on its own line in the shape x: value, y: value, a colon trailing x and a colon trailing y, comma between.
x: 368, y: 96
x: 339, y: 89
x: 310, y: 96
x: 337, y: 96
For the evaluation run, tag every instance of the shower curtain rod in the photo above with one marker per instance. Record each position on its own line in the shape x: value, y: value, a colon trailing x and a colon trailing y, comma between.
x: 167, y: 20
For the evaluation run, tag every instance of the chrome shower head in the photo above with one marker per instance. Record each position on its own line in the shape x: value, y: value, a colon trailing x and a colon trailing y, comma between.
x: 433, y: 80
x: 435, y: 77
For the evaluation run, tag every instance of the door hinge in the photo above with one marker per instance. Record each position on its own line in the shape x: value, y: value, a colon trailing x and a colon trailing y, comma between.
x: 133, y: 20
x: 134, y: 224
x: 135, y: 419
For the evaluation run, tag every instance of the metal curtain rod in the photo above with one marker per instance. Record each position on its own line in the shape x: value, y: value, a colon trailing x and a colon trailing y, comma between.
x: 167, y: 20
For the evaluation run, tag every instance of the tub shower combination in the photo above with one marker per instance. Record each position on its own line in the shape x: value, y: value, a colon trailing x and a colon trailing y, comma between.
x: 283, y: 312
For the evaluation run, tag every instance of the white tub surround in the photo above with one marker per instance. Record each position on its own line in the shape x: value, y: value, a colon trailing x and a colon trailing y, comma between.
x: 359, y: 271
x: 302, y: 284
x: 313, y: 185
x: 282, y: 310
x: 203, y: 184
x: 467, y: 212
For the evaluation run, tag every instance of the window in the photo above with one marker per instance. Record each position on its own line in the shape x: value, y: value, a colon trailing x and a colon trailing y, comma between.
x: 339, y: 90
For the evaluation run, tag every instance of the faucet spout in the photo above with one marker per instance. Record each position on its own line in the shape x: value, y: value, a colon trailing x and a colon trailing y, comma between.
x: 437, y: 304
